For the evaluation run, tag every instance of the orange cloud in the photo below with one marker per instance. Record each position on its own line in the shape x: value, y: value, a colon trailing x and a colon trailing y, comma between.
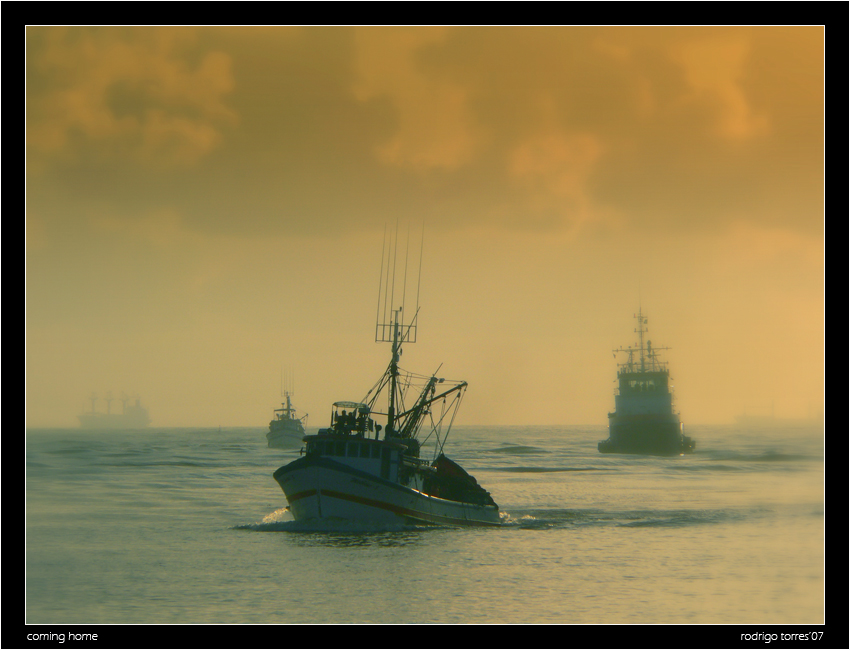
x: 714, y: 69
x: 553, y: 168
x: 125, y: 93
x: 434, y: 126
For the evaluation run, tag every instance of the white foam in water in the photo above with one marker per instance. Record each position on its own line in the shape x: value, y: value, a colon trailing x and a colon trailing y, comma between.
x: 279, y: 515
x: 281, y: 520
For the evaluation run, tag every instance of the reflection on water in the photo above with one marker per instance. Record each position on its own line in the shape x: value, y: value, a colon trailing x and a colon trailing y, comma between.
x: 188, y: 526
x: 383, y: 539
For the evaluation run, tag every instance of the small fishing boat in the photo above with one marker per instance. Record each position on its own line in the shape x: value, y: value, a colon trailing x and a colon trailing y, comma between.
x: 358, y: 470
x: 286, y: 430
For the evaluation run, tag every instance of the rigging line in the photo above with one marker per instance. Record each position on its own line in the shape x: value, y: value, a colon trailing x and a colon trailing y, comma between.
x: 402, y: 393
x: 454, y: 413
x: 423, y: 403
x: 395, y: 261
x: 438, y: 447
x: 436, y: 426
x: 379, y: 385
x: 386, y: 290
x: 435, y: 429
x: 414, y: 375
x: 439, y: 426
x: 380, y: 279
x: 406, y: 259
x: 406, y: 335
x: 419, y: 281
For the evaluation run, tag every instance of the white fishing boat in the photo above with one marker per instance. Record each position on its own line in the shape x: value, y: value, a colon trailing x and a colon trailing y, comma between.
x: 286, y: 430
x: 357, y: 470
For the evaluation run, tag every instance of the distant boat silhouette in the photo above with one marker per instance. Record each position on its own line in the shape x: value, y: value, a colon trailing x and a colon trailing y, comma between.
x: 286, y: 429
x: 132, y: 416
x: 643, y: 421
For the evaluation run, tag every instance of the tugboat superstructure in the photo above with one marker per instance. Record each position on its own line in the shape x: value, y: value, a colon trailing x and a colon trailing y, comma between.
x: 643, y: 421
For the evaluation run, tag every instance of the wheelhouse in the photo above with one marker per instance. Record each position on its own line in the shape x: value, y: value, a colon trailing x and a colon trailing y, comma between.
x: 379, y: 457
x: 641, y: 382
x: 353, y: 418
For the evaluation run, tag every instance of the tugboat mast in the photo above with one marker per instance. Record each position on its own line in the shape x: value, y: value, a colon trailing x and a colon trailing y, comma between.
x: 640, y: 330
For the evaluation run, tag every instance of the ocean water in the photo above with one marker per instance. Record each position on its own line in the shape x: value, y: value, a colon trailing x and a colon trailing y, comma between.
x: 186, y: 526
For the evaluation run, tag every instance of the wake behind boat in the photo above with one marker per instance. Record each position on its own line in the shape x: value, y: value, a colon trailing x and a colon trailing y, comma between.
x: 357, y: 470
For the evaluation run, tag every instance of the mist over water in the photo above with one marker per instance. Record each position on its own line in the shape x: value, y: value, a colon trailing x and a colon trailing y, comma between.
x: 188, y: 526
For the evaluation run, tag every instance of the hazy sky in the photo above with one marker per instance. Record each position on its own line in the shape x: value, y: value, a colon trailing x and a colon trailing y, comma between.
x: 206, y: 208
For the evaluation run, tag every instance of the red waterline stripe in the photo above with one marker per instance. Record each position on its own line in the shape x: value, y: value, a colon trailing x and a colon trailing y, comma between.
x: 398, y: 510
x: 301, y: 495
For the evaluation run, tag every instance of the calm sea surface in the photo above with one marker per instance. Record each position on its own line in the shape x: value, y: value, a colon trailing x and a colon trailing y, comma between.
x: 188, y: 526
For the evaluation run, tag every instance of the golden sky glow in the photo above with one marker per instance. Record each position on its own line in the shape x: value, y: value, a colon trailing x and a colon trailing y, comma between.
x: 206, y: 207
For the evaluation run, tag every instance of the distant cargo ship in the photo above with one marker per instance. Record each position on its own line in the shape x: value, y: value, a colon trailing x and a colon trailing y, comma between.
x: 643, y: 421
x: 132, y: 416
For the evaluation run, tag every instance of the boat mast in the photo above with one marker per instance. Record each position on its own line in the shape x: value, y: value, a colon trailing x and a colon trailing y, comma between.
x: 393, y: 373
x: 394, y: 330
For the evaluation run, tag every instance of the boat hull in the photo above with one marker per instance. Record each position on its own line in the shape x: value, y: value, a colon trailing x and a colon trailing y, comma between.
x: 319, y: 488
x: 287, y: 436
x: 646, y: 434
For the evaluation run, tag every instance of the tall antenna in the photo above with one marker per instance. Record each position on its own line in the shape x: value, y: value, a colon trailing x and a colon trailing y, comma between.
x: 406, y: 258
x: 395, y: 260
x: 421, y: 248
x: 287, y: 382
x: 641, y: 331
x: 648, y: 354
x: 641, y: 323
x: 389, y: 313
x: 394, y: 329
x: 381, y: 282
